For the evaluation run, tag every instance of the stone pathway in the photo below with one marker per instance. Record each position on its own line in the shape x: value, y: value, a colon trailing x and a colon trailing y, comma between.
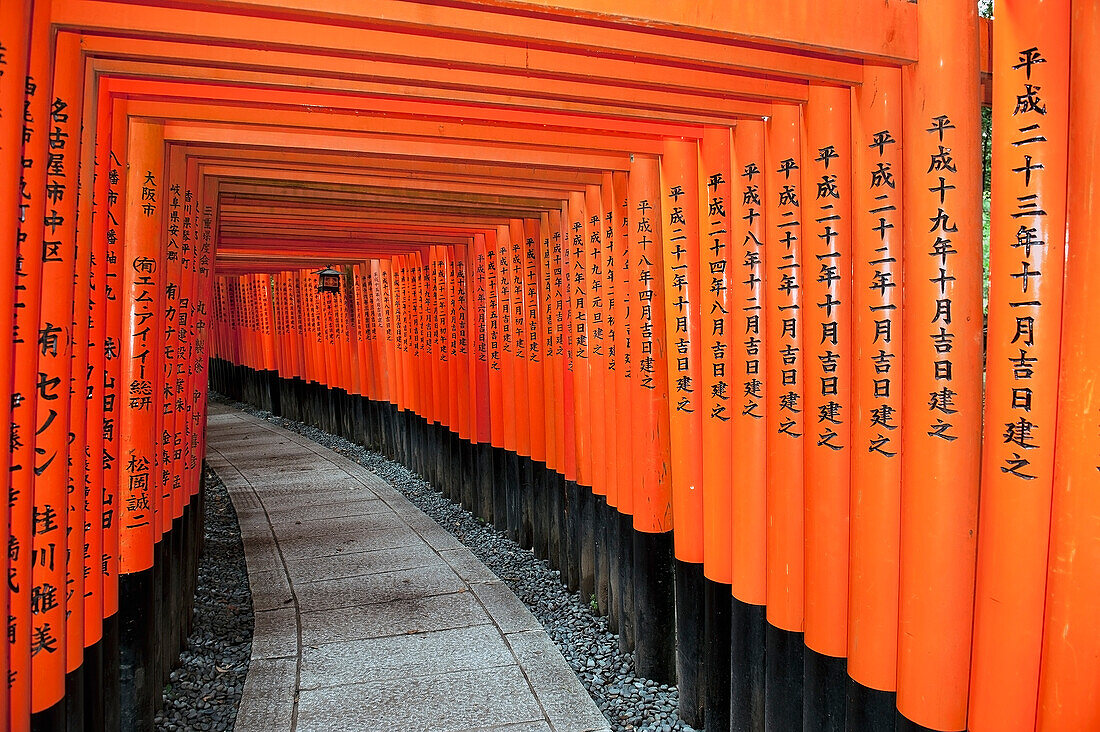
x: 369, y: 616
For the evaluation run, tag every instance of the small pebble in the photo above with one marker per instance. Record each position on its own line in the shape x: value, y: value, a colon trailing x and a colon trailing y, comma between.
x: 204, y: 691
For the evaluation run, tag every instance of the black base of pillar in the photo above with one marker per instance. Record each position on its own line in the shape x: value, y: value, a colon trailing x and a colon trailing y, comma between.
x: 904, y: 724
x: 50, y: 720
x: 112, y: 683
x: 571, y: 536
x: 654, y: 607
x: 185, y: 608
x: 437, y: 456
x: 500, y: 489
x: 400, y: 454
x: 442, y: 465
x: 156, y: 666
x: 717, y: 599
x: 600, y: 511
x: 74, y: 700
x: 625, y: 531
x: 540, y: 509
x: 93, y: 687
x: 747, y: 631
x: 526, y: 482
x: 870, y: 710
x: 468, y: 456
x: 614, y: 558
x: 483, y: 453
x: 690, y: 642
x: 555, y: 538
x: 513, y: 495
x: 824, y: 692
x: 587, y: 537
x: 138, y: 689
x: 783, y: 683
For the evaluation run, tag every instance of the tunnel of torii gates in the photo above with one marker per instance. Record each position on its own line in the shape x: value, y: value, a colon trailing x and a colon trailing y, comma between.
x: 687, y: 296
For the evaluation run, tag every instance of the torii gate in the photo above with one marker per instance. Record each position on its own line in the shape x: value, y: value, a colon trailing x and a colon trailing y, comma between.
x: 683, y: 294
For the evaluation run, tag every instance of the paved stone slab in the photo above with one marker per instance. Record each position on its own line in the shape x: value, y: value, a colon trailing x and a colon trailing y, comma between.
x: 260, y: 558
x: 556, y: 686
x: 467, y: 566
x: 267, y: 702
x: 336, y: 529
x: 311, y: 511
x: 509, y: 614
x: 521, y: 727
x: 368, y: 614
x: 404, y: 656
x: 270, y: 590
x: 318, y: 569
x: 289, y: 496
x: 403, y: 584
x: 349, y: 543
x: 276, y: 634
x: 443, y: 703
x: 415, y: 615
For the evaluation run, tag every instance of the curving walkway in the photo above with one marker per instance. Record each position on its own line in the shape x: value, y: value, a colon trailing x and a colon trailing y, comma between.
x: 369, y: 616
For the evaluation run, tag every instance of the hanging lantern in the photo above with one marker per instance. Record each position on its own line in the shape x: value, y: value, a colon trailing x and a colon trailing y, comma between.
x: 328, y: 280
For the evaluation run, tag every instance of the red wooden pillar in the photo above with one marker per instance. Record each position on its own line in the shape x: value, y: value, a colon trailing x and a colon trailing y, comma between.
x: 680, y: 193
x: 650, y: 415
x: 480, y: 315
x: 464, y: 396
x: 680, y: 226
x: 874, y: 547
x: 533, y: 341
x: 517, y: 336
x: 603, y: 250
x: 15, y: 21
x: 785, y: 322
x: 749, y: 397
x: 42, y: 607
x: 385, y: 267
x: 1069, y: 678
x: 96, y: 574
x: 84, y: 478
x: 747, y: 379
x: 827, y: 229
x: 654, y: 648
x: 579, y: 296
x: 550, y: 234
x: 362, y: 337
x: 608, y: 232
x: 942, y: 389
x: 140, y: 512
x: 564, y: 346
x: 596, y: 345
x: 115, y: 297
x: 142, y: 278
x: 619, y: 263
x: 206, y: 224
x: 450, y: 324
x: 1031, y: 100
x: 506, y: 339
x: 175, y: 296
x: 715, y: 204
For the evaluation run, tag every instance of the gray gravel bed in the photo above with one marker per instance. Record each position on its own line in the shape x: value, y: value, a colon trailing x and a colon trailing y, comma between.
x: 628, y: 701
x: 204, y: 692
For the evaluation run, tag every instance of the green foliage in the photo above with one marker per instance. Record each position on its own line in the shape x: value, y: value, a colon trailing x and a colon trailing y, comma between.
x: 985, y: 9
x: 985, y: 250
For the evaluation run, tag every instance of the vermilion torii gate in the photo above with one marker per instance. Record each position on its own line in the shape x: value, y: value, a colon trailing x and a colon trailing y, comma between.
x: 686, y: 296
